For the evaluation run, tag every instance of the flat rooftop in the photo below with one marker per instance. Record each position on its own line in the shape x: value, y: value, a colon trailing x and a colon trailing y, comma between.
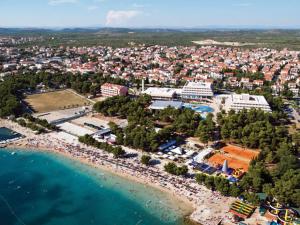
x: 248, y: 99
x: 198, y: 85
x: 166, y: 104
x: 74, y: 129
x: 164, y: 92
x: 61, y: 114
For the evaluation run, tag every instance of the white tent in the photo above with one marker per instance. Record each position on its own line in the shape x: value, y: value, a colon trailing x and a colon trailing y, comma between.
x: 178, y: 151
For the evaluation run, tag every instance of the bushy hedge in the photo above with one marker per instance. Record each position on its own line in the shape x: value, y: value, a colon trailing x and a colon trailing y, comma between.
x: 88, y: 140
x: 31, y: 126
x: 172, y: 168
x: 145, y: 159
x: 43, y: 123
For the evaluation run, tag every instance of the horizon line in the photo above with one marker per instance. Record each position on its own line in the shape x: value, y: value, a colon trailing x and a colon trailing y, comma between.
x: 211, y: 27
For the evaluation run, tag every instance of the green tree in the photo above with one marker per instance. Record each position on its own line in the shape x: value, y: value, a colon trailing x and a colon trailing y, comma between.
x: 145, y: 159
x: 200, y: 178
x: 118, y: 152
x: 172, y: 168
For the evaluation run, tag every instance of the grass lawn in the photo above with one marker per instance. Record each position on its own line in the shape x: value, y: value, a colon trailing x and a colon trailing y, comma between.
x: 57, y: 100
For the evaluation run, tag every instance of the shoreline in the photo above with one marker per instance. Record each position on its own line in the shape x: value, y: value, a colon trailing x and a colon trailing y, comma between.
x: 197, y: 204
x: 188, y: 205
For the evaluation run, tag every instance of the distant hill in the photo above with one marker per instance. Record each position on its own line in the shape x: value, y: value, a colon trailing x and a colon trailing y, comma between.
x: 24, y: 31
x: 83, y: 30
x: 124, y: 37
x: 107, y: 30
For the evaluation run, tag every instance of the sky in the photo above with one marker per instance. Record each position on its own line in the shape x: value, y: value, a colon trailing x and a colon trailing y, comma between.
x: 151, y: 13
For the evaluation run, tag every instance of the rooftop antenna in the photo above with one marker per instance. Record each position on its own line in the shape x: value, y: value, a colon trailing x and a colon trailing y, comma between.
x: 143, y: 85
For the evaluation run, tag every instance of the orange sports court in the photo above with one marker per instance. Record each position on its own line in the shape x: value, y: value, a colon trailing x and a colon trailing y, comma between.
x: 237, y: 157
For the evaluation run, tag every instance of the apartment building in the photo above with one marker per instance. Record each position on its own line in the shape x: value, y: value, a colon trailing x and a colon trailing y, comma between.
x: 238, y: 102
x: 110, y: 90
x: 197, y: 90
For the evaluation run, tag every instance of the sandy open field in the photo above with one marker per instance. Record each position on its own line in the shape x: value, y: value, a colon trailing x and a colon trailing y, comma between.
x: 57, y: 100
x: 237, y: 158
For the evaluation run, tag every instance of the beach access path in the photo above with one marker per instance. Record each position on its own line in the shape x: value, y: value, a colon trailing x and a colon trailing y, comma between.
x: 209, y: 207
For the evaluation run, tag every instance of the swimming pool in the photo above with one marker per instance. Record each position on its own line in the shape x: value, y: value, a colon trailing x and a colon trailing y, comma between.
x: 7, y: 134
x: 199, y: 108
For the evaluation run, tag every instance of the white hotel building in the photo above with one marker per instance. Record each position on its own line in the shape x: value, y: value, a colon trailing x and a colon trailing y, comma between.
x: 110, y: 90
x: 238, y: 102
x: 161, y: 93
x: 197, y: 90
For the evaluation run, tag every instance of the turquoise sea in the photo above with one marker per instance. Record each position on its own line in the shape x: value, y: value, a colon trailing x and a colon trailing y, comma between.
x: 39, y: 188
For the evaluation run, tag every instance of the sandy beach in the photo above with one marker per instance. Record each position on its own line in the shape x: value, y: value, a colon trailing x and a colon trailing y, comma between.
x: 202, y: 205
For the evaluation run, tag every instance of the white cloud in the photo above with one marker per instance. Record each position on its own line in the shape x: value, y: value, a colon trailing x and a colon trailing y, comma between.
x: 120, y: 17
x: 59, y: 2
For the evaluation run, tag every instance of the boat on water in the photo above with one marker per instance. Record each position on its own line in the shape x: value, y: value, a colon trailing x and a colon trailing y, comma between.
x: 13, y: 153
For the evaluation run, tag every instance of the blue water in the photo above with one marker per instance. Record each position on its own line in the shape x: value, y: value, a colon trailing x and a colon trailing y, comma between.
x: 199, y: 108
x: 7, y: 134
x: 46, y: 189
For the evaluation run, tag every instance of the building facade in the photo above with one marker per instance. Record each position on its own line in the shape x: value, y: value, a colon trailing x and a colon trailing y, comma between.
x: 161, y: 93
x: 110, y: 90
x: 197, y: 91
x: 238, y: 102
